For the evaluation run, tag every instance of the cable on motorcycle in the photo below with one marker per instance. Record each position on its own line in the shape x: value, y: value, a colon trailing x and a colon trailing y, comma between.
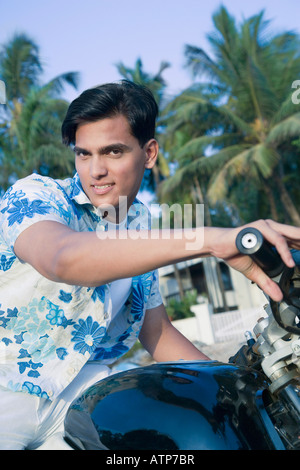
x: 290, y: 296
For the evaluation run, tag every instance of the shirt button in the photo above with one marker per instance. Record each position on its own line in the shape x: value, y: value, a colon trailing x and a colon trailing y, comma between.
x: 106, y: 315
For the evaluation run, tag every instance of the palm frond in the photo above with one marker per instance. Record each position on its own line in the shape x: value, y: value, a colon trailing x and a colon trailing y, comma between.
x: 220, y: 182
x: 265, y: 159
x: 284, y: 130
x: 57, y: 84
x: 198, y: 145
x: 20, y: 65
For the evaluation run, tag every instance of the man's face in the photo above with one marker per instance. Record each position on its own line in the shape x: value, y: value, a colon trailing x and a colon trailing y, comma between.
x: 110, y: 162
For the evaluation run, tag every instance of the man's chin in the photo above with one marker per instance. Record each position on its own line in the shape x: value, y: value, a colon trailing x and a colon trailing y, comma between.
x: 113, y: 213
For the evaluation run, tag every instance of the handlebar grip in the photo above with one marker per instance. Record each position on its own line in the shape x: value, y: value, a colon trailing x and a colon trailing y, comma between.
x: 251, y: 242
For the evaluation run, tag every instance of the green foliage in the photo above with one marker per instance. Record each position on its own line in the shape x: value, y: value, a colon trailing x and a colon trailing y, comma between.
x: 230, y: 141
x: 231, y: 131
x: 30, y: 122
x: 20, y: 66
x: 180, y: 309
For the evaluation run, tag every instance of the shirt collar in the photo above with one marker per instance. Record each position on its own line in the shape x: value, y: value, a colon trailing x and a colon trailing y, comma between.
x: 77, y: 193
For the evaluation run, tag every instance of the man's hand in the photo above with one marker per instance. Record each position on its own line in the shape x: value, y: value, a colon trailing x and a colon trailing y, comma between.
x: 282, y: 237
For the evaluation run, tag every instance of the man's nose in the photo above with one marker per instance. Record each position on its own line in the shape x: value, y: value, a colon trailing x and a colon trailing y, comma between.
x: 98, y: 167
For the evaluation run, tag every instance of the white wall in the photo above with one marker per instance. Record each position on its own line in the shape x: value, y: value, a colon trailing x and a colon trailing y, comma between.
x: 209, y: 328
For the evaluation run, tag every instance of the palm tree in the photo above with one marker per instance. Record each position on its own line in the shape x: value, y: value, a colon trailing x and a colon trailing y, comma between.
x: 155, y: 82
x: 21, y: 66
x: 30, y: 121
x: 246, y: 107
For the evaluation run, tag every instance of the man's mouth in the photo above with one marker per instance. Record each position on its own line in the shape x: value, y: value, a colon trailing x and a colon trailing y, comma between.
x: 102, y: 188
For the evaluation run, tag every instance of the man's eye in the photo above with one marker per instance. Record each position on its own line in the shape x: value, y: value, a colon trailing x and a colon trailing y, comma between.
x: 80, y: 154
x: 115, y: 152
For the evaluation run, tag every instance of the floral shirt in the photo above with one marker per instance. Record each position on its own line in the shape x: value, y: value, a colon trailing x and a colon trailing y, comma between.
x: 49, y: 330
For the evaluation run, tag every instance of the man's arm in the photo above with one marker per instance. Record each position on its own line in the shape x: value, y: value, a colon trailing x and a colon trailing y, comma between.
x: 83, y: 258
x: 163, y: 341
x: 90, y: 259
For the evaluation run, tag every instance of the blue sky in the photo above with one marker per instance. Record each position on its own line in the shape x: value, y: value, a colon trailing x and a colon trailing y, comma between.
x: 90, y: 36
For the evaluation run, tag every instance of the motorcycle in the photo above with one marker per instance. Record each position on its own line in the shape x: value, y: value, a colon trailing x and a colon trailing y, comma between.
x: 250, y: 403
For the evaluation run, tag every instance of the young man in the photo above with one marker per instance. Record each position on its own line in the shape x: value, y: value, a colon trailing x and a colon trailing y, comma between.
x: 74, y: 298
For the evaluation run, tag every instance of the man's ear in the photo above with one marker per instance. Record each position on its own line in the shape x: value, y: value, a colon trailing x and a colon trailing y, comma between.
x: 151, y: 149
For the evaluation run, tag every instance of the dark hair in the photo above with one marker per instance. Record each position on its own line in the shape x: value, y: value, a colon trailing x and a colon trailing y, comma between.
x: 135, y: 102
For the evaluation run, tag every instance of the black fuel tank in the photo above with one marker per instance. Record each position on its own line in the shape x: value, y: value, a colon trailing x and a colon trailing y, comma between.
x: 174, y: 406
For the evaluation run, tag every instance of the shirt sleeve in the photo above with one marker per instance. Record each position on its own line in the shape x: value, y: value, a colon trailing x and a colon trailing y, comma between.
x: 154, y: 299
x: 30, y: 200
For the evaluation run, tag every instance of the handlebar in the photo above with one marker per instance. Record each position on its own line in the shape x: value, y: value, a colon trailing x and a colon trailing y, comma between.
x: 251, y: 242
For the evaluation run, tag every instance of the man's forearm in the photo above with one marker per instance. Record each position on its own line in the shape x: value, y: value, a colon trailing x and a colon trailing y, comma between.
x: 163, y: 341
x: 173, y: 346
x: 87, y: 259
x: 92, y: 259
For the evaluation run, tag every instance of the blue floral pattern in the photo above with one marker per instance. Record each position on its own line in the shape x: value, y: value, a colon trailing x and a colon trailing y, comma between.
x: 49, y: 330
x: 87, y: 335
x: 23, y: 208
x: 6, y: 261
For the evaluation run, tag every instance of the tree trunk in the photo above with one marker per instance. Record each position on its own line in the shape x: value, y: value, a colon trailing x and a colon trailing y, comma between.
x: 287, y: 202
x: 270, y: 197
x: 201, y: 199
x: 179, y: 281
x: 155, y: 172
